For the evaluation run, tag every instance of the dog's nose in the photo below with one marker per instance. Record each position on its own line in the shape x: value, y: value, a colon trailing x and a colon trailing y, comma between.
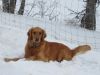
x: 36, y: 39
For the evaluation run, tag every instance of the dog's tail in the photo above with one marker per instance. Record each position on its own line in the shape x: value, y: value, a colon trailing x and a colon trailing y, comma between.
x: 11, y: 59
x: 81, y: 49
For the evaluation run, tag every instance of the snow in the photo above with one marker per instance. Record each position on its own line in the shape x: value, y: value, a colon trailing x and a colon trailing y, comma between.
x: 13, y: 37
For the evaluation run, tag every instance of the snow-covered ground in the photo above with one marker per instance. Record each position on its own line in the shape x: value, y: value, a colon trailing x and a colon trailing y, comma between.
x: 13, y: 36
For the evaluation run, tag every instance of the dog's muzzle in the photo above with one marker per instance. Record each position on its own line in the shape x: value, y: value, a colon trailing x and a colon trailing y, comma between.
x: 36, y: 44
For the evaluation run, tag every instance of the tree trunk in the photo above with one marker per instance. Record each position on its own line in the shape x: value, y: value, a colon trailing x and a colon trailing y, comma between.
x: 5, y: 5
x: 22, y: 6
x: 9, y: 6
x: 12, y: 6
x: 89, y: 20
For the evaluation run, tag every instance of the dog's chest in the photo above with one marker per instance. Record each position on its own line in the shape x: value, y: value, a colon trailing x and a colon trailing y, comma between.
x: 34, y: 52
x: 37, y: 51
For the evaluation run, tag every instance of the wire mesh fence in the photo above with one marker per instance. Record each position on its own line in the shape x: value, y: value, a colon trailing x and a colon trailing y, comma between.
x: 55, y: 16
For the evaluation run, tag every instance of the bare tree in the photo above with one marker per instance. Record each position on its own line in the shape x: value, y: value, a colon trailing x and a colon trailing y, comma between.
x: 47, y: 10
x: 88, y: 21
x: 22, y: 6
x: 9, y: 5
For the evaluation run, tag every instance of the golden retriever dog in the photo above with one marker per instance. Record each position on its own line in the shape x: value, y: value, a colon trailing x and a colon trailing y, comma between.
x: 37, y: 48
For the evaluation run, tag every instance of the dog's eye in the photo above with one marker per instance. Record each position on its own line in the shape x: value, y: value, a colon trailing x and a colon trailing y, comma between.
x: 34, y: 32
x: 40, y: 33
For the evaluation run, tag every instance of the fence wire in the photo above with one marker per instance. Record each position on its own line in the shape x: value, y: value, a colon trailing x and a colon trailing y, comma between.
x: 55, y: 14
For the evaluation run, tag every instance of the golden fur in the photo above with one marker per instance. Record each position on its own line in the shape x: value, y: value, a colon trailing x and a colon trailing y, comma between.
x: 38, y: 49
x: 47, y: 51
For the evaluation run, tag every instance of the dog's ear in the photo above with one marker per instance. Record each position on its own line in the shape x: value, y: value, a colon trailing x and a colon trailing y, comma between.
x: 29, y: 33
x: 44, y: 34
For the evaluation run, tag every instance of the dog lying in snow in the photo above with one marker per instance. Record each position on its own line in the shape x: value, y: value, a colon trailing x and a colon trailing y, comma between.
x: 37, y: 48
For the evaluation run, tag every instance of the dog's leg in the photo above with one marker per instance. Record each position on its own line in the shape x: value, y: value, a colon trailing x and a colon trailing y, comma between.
x: 11, y: 59
x: 31, y: 58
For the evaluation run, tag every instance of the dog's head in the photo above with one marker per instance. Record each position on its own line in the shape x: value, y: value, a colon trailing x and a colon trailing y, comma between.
x: 35, y: 36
